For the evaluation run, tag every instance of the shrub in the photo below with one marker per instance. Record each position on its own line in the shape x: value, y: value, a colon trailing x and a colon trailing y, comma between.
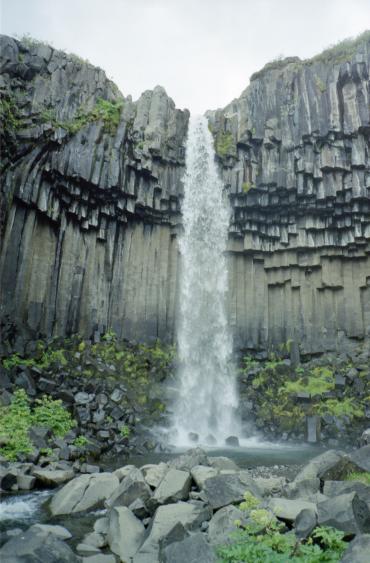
x: 17, y: 418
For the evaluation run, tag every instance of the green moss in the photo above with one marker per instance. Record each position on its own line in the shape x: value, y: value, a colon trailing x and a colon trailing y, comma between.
x: 106, y: 111
x: 246, y: 186
x: 362, y: 477
x: 224, y: 145
x: 125, y: 431
x: 320, y: 84
x: 346, y: 406
x: 319, y: 381
x: 47, y: 358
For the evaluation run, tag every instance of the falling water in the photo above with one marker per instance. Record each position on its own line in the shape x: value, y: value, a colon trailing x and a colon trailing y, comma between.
x: 207, y: 399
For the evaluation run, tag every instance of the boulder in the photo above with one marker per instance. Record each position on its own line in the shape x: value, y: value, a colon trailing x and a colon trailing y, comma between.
x: 232, y: 441
x: 125, y: 533
x: 37, y: 546
x: 190, y: 515
x: 174, y: 486
x: 305, y: 523
x: 328, y: 465
x: 221, y: 463
x: 130, y: 489
x: 361, y: 458
x: 190, y: 459
x: 100, y: 558
x: 59, y: 531
x: 222, y: 490
x: 122, y: 472
x: 358, y: 550
x: 83, y: 493
x: 201, y: 473
x: 101, y: 525
x: 53, y: 477
x: 336, y: 488
x: 8, y: 478
x: 270, y: 486
x: 25, y: 482
x: 153, y: 474
x: 286, y: 509
x: 194, y: 549
x: 345, y: 512
x: 222, y: 524
x: 365, y: 437
x: 302, y: 489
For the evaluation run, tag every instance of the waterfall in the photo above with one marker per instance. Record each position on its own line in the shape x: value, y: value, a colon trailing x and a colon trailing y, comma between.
x: 207, y: 388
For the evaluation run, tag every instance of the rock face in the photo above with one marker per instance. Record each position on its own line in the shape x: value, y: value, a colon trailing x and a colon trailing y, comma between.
x: 92, y: 191
x: 295, y: 158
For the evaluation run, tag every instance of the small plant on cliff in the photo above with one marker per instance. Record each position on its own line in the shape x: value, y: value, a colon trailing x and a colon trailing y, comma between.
x: 246, y: 186
x: 224, y: 144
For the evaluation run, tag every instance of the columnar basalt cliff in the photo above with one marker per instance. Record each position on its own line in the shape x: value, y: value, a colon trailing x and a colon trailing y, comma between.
x: 91, y: 200
x: 295, y: 155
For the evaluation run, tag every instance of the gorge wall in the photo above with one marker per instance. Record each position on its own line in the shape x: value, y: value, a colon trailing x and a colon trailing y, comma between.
x: 91, y: 201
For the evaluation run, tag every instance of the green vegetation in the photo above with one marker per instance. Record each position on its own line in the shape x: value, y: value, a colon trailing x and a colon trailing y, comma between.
x: 80, y: 441
x: 347, y: 406
x: 357, y: 476
x: 45, y: 359
x: 107, y: 112
x: 224, y: 145
x: 9, y: 115
x: 17, y: 418
x: 265, y: 540
x: 125, y: 431
x: 320, y: 84
x: 318, y: 381
x: 246, y: 186
x: 341, y: 52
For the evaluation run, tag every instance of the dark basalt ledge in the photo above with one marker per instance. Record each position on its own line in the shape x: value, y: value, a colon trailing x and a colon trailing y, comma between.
x: 90, y: 218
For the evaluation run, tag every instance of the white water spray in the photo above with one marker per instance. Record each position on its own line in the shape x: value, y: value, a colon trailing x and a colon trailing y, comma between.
x: 208, y: 398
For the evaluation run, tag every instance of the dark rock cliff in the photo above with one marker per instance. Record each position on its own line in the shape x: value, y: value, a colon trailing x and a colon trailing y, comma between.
x: 91, y: 198
x: 295, y: 157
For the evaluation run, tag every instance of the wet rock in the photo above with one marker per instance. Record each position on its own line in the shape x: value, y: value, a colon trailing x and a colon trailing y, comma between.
x: 223, y: 463
x: 8, y: 479
x: 232, y: 441
x: 330, y: 465
x: 365, y: 437
x: 58, y: 531
x: 53, y: 478
x: 193, y: 437
x: 25, y: 482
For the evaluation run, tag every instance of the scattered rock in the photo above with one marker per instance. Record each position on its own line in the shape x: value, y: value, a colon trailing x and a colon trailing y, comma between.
x: 174, y: 486
x: 194, y: 549
x: 358, y: 550
x: 222, y: 490
x: 286, y: 509
x: 345, y: 512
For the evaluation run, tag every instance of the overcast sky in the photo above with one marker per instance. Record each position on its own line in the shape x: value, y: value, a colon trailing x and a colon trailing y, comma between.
x: 202, y: 51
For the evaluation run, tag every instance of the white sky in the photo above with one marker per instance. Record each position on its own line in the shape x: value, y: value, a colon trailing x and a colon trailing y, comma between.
x: 202, y: 51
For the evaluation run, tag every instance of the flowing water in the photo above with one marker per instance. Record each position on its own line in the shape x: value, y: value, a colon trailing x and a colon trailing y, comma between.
x: 207, y: 397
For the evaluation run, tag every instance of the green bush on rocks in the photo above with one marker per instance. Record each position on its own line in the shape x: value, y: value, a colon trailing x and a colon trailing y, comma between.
x: 17, y: 418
